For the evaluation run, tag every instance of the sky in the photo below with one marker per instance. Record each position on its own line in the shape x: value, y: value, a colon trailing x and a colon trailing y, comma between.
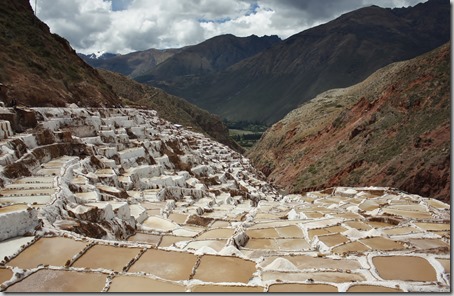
x: 123, y: 26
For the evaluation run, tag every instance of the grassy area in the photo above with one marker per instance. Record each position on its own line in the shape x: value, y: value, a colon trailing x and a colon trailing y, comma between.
x: 237, y: 132
x: 244, y: 138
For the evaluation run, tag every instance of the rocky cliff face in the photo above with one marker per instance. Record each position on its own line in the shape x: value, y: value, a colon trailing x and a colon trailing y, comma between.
x: 392, y: 130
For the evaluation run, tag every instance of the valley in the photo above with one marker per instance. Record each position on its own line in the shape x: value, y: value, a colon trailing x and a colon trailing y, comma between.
x: 316, y: 163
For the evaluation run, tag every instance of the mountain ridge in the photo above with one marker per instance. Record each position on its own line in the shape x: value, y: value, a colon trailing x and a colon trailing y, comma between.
x: 340, y: 53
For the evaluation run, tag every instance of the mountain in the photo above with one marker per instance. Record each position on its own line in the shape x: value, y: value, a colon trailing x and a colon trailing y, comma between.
x: 209, y: 57
x: 133, y: 64
x: 340, y: 53
x: 41, y: 69
x: 100, y: 55
x: 169, y: 107
x: 392, y: 130
x: 184, y: 65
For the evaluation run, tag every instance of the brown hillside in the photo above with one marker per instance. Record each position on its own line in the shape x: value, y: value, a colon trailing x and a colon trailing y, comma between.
x: 40, y: 68
x: 391, y: 130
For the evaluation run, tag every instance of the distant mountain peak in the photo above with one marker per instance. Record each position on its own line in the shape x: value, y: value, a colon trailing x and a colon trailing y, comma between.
x: 100, y: 55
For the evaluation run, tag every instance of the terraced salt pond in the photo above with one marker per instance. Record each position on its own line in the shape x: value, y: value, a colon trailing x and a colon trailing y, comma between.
x: 123, y: 216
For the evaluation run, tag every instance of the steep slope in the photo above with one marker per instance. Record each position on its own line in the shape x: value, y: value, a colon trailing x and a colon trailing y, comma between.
x: 340, y: 53
x: 40, y: 68
x: 133, y: 64
x: 169, y: 107
x: 392, y: 130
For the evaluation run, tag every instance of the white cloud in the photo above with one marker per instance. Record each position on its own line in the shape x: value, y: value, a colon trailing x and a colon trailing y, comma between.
x: 123, y: 26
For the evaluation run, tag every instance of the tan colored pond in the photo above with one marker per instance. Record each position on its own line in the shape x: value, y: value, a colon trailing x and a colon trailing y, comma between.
x: 224, y: 269
x: 226, y: 289
x: 348, y: 216
x: 376, y: 224
x: 323, y: 223
x: 107, y: 257
x: 133, y: 284
x: 428, y: 243
x: 292, y: 244
x: 219, y: 233
x: 153, y: 205
x: 434, y: 226
x: 313, y: 215
x: 302, y: 288
x: 52, y: 251
x: 154, y: 212
x: 333, y: 277
x: 168, y: 265
x: 262, y: 243
x: 404, y: 268
x: 291, y: 231
x: 408, y: 213
x: 401, y: 230
x: 358, y: 225
x: 216, y: 245
x: 262, y: 233
x: 318, y: 232
x: 350, y: 248
x: 382, y: 244
x: 145, y: 238
x: 333, y: 239
x: 60, y: 281
x: 5, y: 275
x: 369, y: 205
x: 220, y: 224
x: 266, y: 217
x: 308, y: 262
x: 408, y: 207
x: 178, y: 218
x: 372, y: 289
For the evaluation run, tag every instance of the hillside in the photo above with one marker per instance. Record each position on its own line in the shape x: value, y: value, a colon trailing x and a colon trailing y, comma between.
x: 40, y: 68
x: 391, y: 130
x: 345, y: 51
x: 169, y: 107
